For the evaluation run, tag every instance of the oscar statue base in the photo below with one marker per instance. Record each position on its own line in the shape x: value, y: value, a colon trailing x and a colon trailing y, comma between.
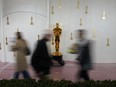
x: 57, y: 56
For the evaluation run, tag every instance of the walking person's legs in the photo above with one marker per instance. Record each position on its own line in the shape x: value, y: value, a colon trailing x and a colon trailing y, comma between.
x: 26, y: 74
x: 86, y: 75
x: 16, y: 75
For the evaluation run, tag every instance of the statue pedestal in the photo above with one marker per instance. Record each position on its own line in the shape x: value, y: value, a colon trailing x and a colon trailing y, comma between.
x: 58, y: 58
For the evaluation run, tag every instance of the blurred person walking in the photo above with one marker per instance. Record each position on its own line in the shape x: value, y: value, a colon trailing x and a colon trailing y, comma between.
x: 41, y: 60
x: 84, y: 55
x: 20, y: 47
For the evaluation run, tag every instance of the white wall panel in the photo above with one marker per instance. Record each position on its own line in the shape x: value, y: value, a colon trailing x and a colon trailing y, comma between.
x: 19, y: 13
x: 34, y: 6
x: 69, y: 16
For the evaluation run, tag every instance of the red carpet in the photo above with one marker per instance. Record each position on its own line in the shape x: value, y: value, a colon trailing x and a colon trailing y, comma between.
x: 67, y: 72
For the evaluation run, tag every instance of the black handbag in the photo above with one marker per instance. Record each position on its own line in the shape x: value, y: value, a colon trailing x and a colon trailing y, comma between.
x: 27, y: 51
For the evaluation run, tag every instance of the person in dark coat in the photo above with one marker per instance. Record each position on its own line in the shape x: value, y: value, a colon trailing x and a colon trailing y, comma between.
x: 84, y: 55
x: 41, y: 59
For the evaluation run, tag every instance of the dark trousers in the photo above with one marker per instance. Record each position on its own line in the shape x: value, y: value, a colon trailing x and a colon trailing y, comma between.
x: 25, y: 74
x: 84, y: 74
x: 41, y: 72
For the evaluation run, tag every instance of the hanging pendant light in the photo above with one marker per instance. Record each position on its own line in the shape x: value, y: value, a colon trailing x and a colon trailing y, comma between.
x: 103, y: 15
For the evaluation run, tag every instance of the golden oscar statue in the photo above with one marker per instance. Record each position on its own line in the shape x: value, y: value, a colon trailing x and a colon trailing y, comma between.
x: 57, y: 32
x: 57, y: 55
